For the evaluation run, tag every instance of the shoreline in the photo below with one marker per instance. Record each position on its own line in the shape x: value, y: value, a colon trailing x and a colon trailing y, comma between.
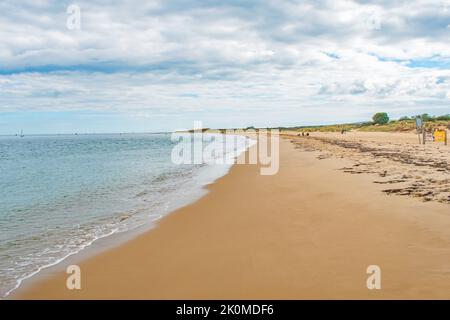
x: 206, y: 176
x: 274, y: 237
x: 106, y: 243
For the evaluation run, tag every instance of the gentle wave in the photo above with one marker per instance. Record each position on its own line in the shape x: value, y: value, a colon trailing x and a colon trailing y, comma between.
x: 27, y: 250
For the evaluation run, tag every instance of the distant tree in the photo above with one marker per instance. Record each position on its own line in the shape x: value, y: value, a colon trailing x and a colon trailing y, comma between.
x: 426, y: 117
x: 445, y: 117
x: 380, y: 118
x: 404, y: 118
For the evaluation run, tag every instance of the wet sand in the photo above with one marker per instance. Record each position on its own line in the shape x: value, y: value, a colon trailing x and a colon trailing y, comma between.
x: 308, y: 232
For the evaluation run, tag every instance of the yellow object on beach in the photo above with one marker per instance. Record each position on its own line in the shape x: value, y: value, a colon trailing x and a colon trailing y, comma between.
x: 440, y: 135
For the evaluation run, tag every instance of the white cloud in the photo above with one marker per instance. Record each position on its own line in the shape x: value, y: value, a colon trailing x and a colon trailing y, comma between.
x: 178, y: 57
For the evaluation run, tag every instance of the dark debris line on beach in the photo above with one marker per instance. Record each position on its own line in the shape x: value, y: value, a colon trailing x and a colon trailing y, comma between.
x: 405, y: 168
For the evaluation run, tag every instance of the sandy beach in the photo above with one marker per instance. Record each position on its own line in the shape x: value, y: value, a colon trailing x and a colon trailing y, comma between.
x: 308, y: 232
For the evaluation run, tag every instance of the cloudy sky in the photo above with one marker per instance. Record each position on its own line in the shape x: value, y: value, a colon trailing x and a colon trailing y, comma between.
x: 159, y: 65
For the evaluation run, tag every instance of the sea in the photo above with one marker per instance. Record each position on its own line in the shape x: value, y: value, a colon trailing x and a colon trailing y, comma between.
x: 59, y: 194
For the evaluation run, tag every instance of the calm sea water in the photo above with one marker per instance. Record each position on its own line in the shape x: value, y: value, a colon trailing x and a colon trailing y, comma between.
x: 58, y: 194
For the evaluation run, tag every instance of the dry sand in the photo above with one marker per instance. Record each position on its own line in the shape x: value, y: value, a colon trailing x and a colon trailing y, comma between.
x: 397, y: 161
x: 308, y: 232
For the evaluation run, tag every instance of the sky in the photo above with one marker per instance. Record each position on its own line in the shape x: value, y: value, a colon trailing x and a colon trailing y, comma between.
x: 160, y: 65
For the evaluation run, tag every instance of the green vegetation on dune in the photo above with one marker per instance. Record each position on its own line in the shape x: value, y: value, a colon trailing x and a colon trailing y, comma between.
x: 380, y: 123
x: 328, y: 128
